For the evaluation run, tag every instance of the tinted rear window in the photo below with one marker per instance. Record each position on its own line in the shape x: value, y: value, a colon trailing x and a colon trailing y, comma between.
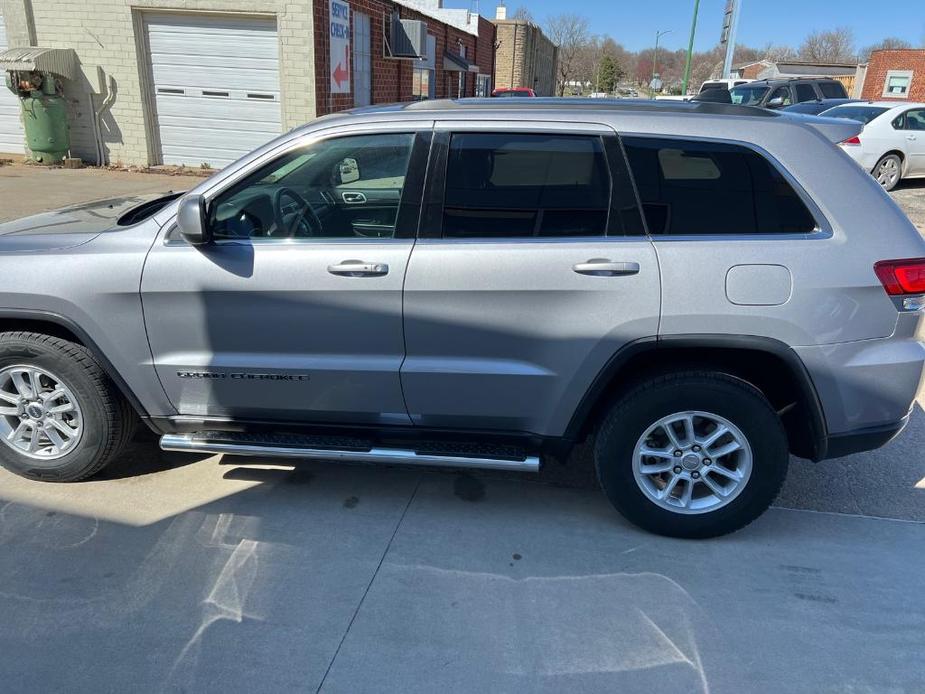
x: 518, y: 185
x: 833, y: 90
x: 805, y: 92
x: 693, y: 187
x: 864, y: 114
x: 713, y: 85
x: 512, y: 94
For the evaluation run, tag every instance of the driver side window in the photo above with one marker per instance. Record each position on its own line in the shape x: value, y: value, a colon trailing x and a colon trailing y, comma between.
x: 782, y: 93
x: 345, y: 187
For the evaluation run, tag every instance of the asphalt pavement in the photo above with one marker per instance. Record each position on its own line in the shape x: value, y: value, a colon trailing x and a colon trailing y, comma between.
x: 184, y: 573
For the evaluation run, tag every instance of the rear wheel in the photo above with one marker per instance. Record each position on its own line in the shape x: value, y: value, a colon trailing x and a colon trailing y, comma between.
x: 692, y: 455
x: 61, y: 418
x: 888, y: 171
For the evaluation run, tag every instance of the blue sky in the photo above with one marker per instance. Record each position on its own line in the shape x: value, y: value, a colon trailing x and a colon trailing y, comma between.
x: 778, y: 21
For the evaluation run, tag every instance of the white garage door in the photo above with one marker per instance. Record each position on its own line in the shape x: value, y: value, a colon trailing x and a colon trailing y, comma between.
x: 216, y: 86
x: 11, y: 134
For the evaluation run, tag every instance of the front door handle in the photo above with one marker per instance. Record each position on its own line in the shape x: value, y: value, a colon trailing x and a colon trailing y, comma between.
x: 353, y: 198
x: 359, y: 268
x: 601, y: 267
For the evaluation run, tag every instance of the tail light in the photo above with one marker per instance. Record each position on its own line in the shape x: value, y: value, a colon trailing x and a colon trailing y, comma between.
x: 852, y: 141
x: 902, y: 277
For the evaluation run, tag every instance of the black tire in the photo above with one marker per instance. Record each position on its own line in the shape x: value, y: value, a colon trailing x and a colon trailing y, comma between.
x: 888, y: 185
x: 108, y: 419
x: 736, y: 401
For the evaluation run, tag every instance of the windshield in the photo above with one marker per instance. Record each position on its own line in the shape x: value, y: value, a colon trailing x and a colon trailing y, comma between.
x: 748, y: 95
x: 864, y: 114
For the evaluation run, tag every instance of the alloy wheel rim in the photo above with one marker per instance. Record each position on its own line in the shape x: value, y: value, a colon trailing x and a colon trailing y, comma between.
x: 692, y: 462
x: 889, y: 170
x: 40, y: 416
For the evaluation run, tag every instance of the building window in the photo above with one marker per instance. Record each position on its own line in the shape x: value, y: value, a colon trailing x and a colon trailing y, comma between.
x: 897, y: 84
x: 482, y: 85
x: 362, y: 60
x: 462, y: 75
x: 423, y: 85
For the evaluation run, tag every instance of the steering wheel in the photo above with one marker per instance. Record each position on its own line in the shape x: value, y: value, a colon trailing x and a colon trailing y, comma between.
x: 304, y: 221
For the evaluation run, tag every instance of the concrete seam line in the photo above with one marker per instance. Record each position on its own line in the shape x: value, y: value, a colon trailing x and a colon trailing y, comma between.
x: 385, y: 552
x: 850, y: 515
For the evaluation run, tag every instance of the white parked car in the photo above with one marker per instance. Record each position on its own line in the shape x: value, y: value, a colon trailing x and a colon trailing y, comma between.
x: 892, y: 144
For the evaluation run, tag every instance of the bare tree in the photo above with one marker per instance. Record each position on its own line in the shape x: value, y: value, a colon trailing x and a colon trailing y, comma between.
x: 886, y: 44
x: 834, y: 46
x: 524, y: 14
x: 775, y: 54
x: 593, y: 54
x: 570, y: 33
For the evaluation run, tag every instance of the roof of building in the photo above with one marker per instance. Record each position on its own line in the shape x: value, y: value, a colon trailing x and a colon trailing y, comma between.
x: 739, y: 66
x: 461, y: 19
x: 802, y: 67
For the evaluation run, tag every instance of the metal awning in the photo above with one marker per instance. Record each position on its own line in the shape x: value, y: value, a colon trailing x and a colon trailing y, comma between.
x: 61, y: 62
x: 456, y: 63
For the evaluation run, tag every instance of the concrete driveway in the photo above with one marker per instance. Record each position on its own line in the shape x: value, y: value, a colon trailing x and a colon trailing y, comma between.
x: 198, y: 574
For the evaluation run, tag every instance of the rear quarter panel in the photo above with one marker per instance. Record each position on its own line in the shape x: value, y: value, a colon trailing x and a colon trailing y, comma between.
x: 835, y: 295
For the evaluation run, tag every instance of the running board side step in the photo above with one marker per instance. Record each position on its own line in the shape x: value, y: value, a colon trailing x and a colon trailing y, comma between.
x: 195, y: 443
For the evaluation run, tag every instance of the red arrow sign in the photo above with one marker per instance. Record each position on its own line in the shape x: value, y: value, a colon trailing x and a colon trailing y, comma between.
x: 341, y: 74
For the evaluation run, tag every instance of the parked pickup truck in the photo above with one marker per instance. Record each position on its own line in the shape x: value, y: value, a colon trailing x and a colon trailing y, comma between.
x: 698, y: 289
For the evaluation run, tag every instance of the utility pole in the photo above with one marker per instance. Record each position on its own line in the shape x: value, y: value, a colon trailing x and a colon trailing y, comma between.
x: 690, y: 50
x: 730, y: 27
x: 658, y: 35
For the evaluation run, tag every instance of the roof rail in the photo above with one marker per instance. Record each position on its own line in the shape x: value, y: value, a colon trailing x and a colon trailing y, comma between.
x: 571, y: 104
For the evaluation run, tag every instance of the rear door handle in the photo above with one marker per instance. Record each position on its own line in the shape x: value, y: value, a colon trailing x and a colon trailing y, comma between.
x: 358, y: 268
x: 601, y: 267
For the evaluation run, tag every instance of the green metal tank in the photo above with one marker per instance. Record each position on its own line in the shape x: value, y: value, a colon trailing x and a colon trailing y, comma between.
x: 44, y: 114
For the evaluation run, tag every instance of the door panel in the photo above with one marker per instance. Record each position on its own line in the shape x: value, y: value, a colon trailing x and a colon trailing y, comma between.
x: 506, y: 335
x: 914, y: 134
x: 292, y: 313
x: 509, y: 332
x: 264, y: 330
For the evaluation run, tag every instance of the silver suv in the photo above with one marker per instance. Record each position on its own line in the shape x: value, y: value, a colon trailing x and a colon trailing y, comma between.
x: 701, y: 289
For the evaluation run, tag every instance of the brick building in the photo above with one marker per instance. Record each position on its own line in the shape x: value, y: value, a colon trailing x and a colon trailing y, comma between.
x: 895, y: 74
x: 206, y: 83
x: 525, y: 57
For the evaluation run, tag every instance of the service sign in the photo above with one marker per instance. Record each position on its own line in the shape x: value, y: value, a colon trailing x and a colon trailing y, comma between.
x: 340, y: 46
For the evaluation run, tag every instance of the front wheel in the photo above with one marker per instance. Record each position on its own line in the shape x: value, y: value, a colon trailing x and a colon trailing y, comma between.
x: 61, y: 418
x: 888, y: 171
x: 692, y: 455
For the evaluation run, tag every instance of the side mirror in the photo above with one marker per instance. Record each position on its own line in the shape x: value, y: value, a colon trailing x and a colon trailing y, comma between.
x: 349, y: 170
x: 776, y: 102
x: 191, y: 219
